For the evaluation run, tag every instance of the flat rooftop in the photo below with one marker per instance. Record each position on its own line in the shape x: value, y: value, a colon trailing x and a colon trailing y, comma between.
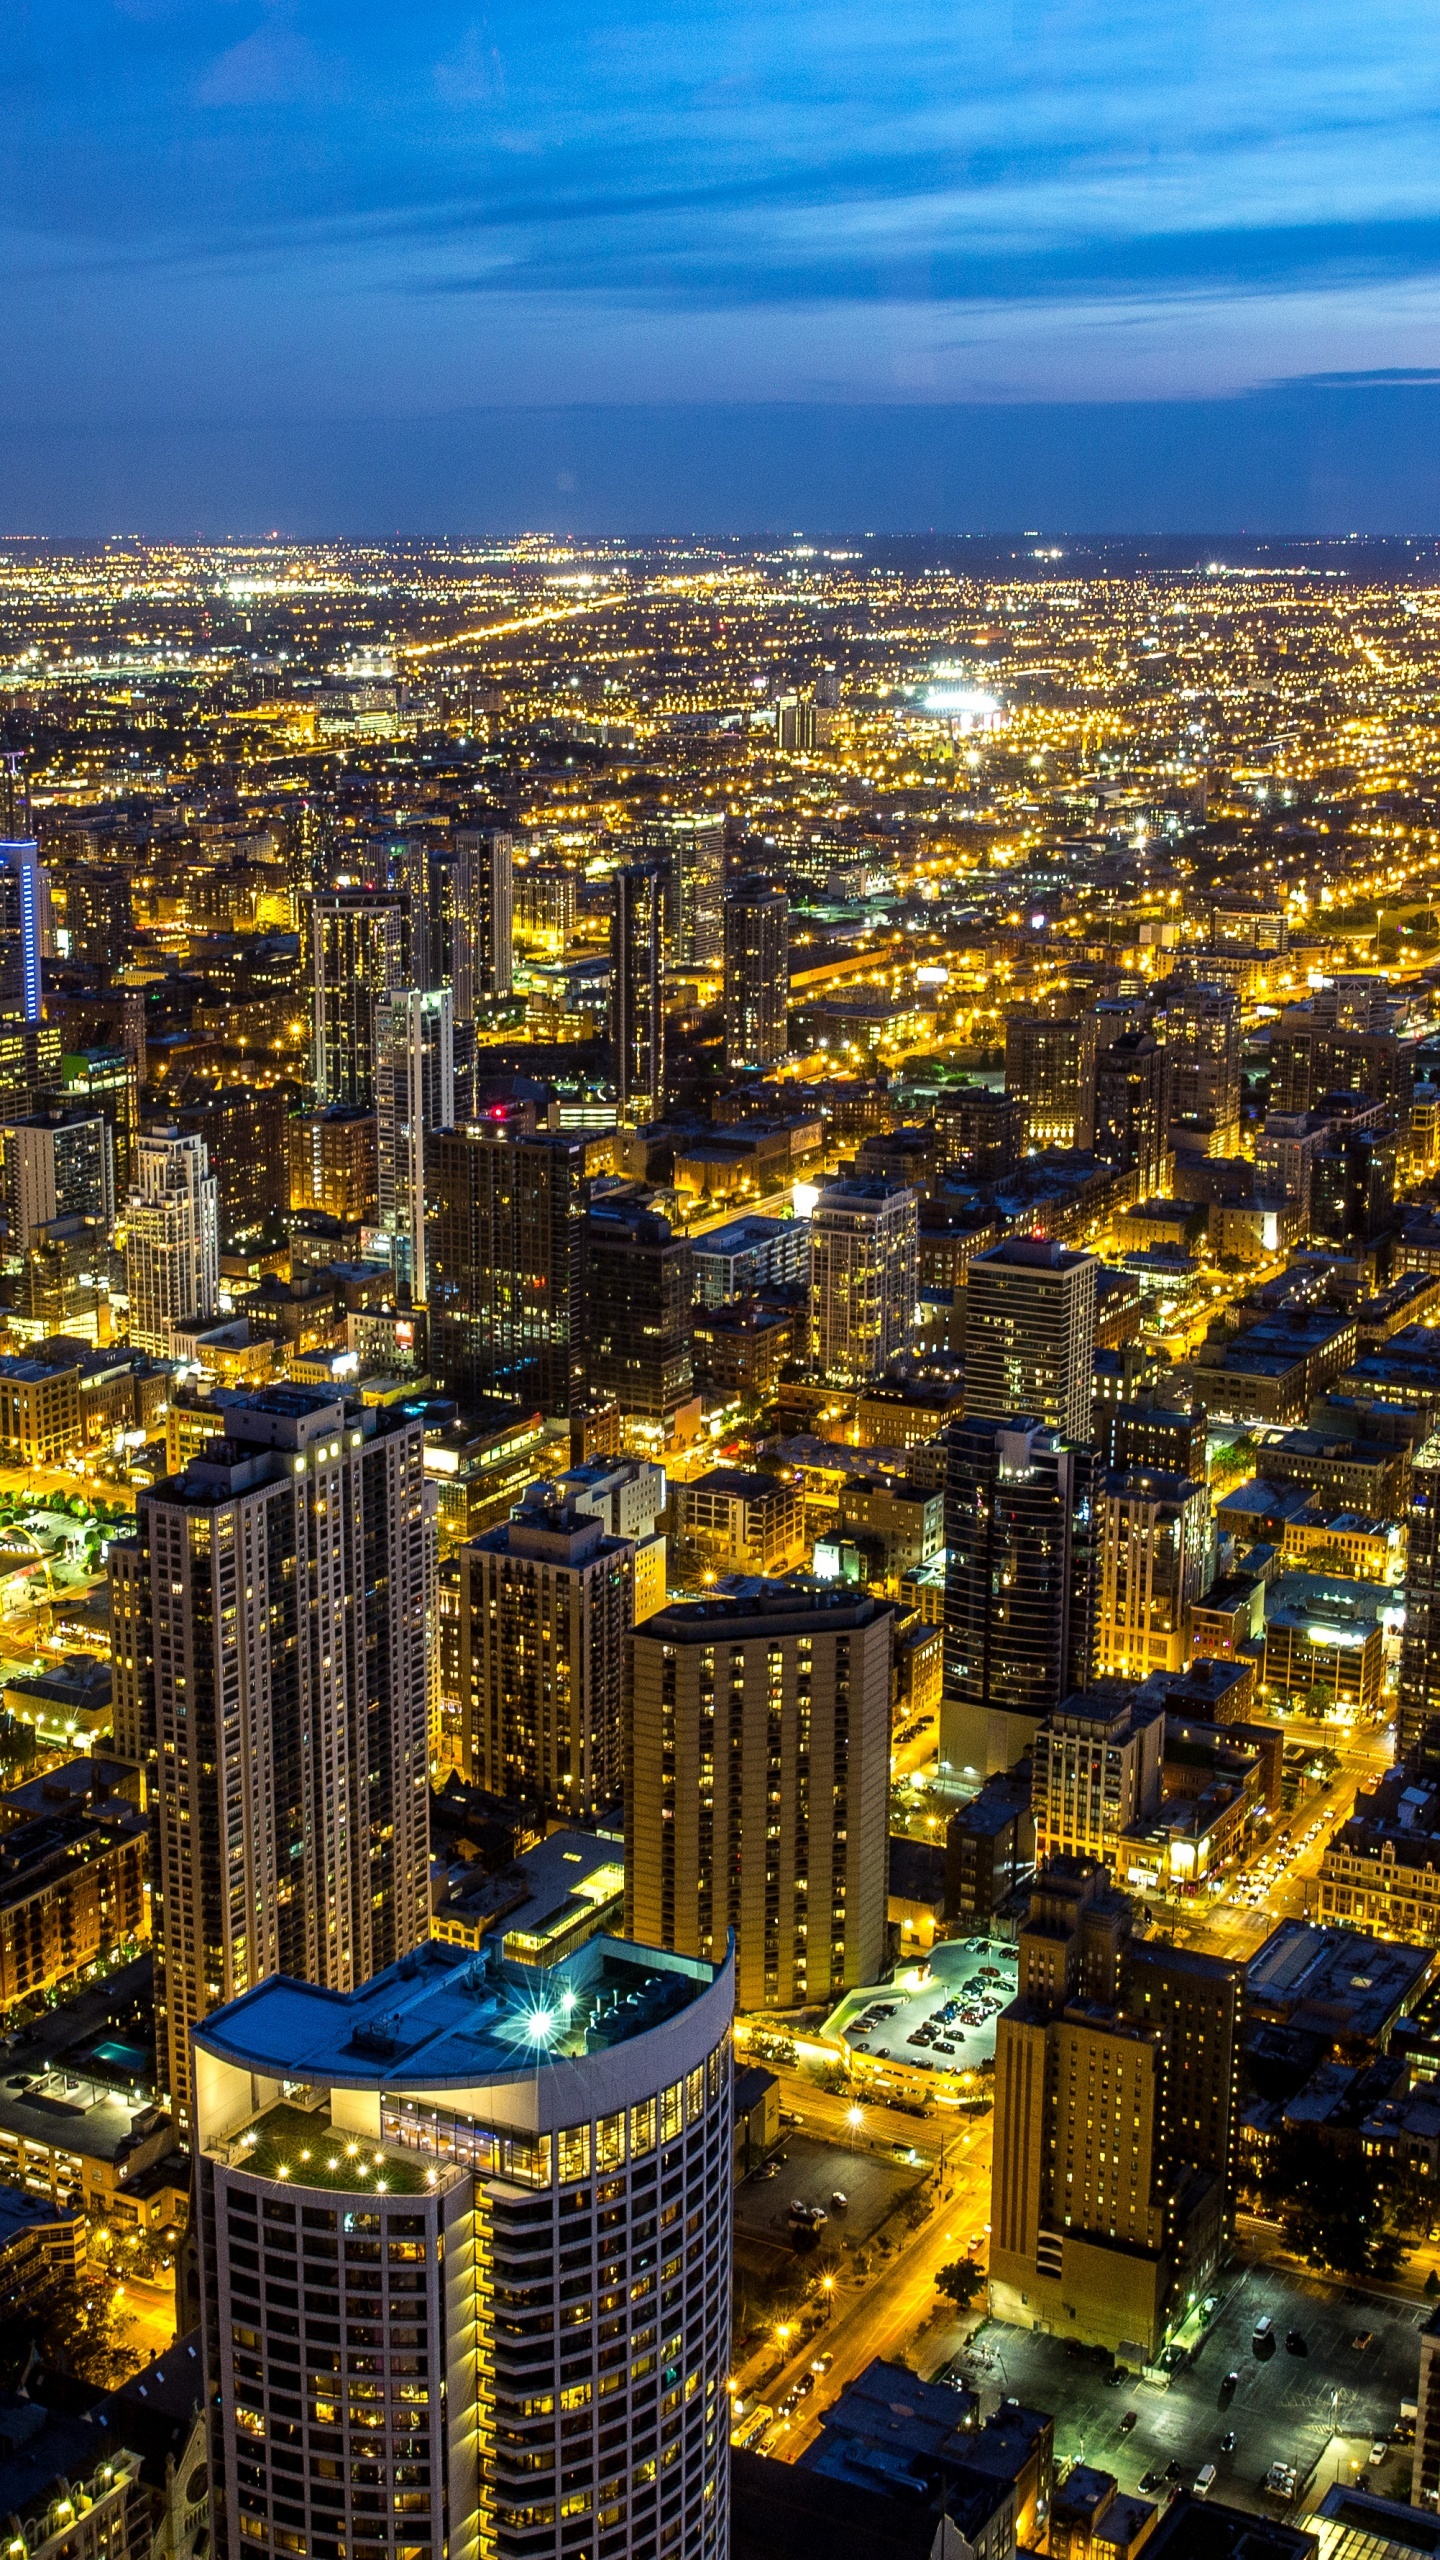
x: 446, y: 2016
x: 1335, y: 1979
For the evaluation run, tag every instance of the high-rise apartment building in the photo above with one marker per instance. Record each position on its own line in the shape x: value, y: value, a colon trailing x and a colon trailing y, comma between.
x: 756, y: 1787
x: 491, y: 854
x: 1131, y: 1117
x: 637, y: 1015
x: 1201, y: 1031
x: 332, y: 1162
x: 509, y: 2194
x: 694, y: 850
x: 99, y: 916
x: 864, y: 1277
x: 246, y: 1134
x: 1097, y: 1774
x: 1417, y: 1727
x: 1153, y: 1547
x: 55, y: 1164
x: 268, y: 1630
x: 358, y: 954
x: 1019, y: 1586
x: 505, y: 1266
x: 640, y: 1313
x: 547, y: 1603
x: 1116, y: 2076
x: 172, y: 1238
x: 414, y: 1096
x: 1030, y: 1333
x: 757, y: 975
x: 1050, y: 1071
x: 24, y: 910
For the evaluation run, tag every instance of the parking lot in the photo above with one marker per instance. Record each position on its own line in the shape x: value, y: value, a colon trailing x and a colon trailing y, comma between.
x: 1288, y: 2408
x: 812, y: 2173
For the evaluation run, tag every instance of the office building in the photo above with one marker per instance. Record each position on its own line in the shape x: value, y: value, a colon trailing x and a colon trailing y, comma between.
x: 1116, y: 2071
x: 864, y: 1277
x: 1153, y: 1548
x: 505, y: 1268
x: 1200, y: 1028
x: 757, y: 975
x: 694, y: 850
x: 414, y: 1098
x: 358, y: 954
x: 268, y: 1630
x: 756, y: 1787
x: 1030, y: 1333
x: 1097, y: 1773
x: 1019, y: 1586
x: 55, y: 1164
x: 637, y: 1016
x: 24, y: 916
x: 172, y: 1238
x: 640, y: 1313
x: 1050, y: 1073
x: 546, y: 1609
x: 1417, y: 1726
x: 482, y: 2134
x: 1130, y: 1110
x: 490, y: 890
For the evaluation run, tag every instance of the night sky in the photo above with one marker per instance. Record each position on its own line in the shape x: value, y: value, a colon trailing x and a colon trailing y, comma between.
x: 752, y: 264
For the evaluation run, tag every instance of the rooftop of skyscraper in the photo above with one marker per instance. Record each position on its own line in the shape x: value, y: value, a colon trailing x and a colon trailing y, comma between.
x: 445, y: 2018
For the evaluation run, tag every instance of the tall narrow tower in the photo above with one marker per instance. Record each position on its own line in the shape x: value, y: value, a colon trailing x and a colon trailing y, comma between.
x: 414, y: 1094
x: 637, y: 1020
x: 268, y: 1633
x: 757, y: 975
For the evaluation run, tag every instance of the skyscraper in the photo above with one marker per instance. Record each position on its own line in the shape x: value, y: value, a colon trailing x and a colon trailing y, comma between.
x: 505, y: 1266
x: 639, y: 1313
x: 1116, y: 2087
x: 1201, y: 1030
x: 547, y: 1602
x: 358, y: 945
x: 491, y: 851
x: 482, y: 2135
x: 1019, y: 1586
x: 1050, y: 1070
x: 1130, y: 1109
x: 414, y: 1095
x: 694, y: 850
x: 55, y: 1164
x: 1153, y: 1545
x: 24, y: 900
x: 268, y: 1633
x: 1030, y: 1333
x: 757, y: 1786
x: 864, y: 1277
x: 757, y: 975
x: 172, y: 1238
x: 637, y: 1018
x: 1417, y: 1728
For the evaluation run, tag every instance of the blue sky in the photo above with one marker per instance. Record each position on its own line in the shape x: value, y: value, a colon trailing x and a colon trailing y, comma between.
x: 287, y: 221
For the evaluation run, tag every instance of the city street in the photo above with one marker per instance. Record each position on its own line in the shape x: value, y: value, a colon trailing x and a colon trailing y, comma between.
x: 885, y: 2314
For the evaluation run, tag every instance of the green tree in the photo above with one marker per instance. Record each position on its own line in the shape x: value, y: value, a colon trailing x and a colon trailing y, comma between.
x: 960, y: 2282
